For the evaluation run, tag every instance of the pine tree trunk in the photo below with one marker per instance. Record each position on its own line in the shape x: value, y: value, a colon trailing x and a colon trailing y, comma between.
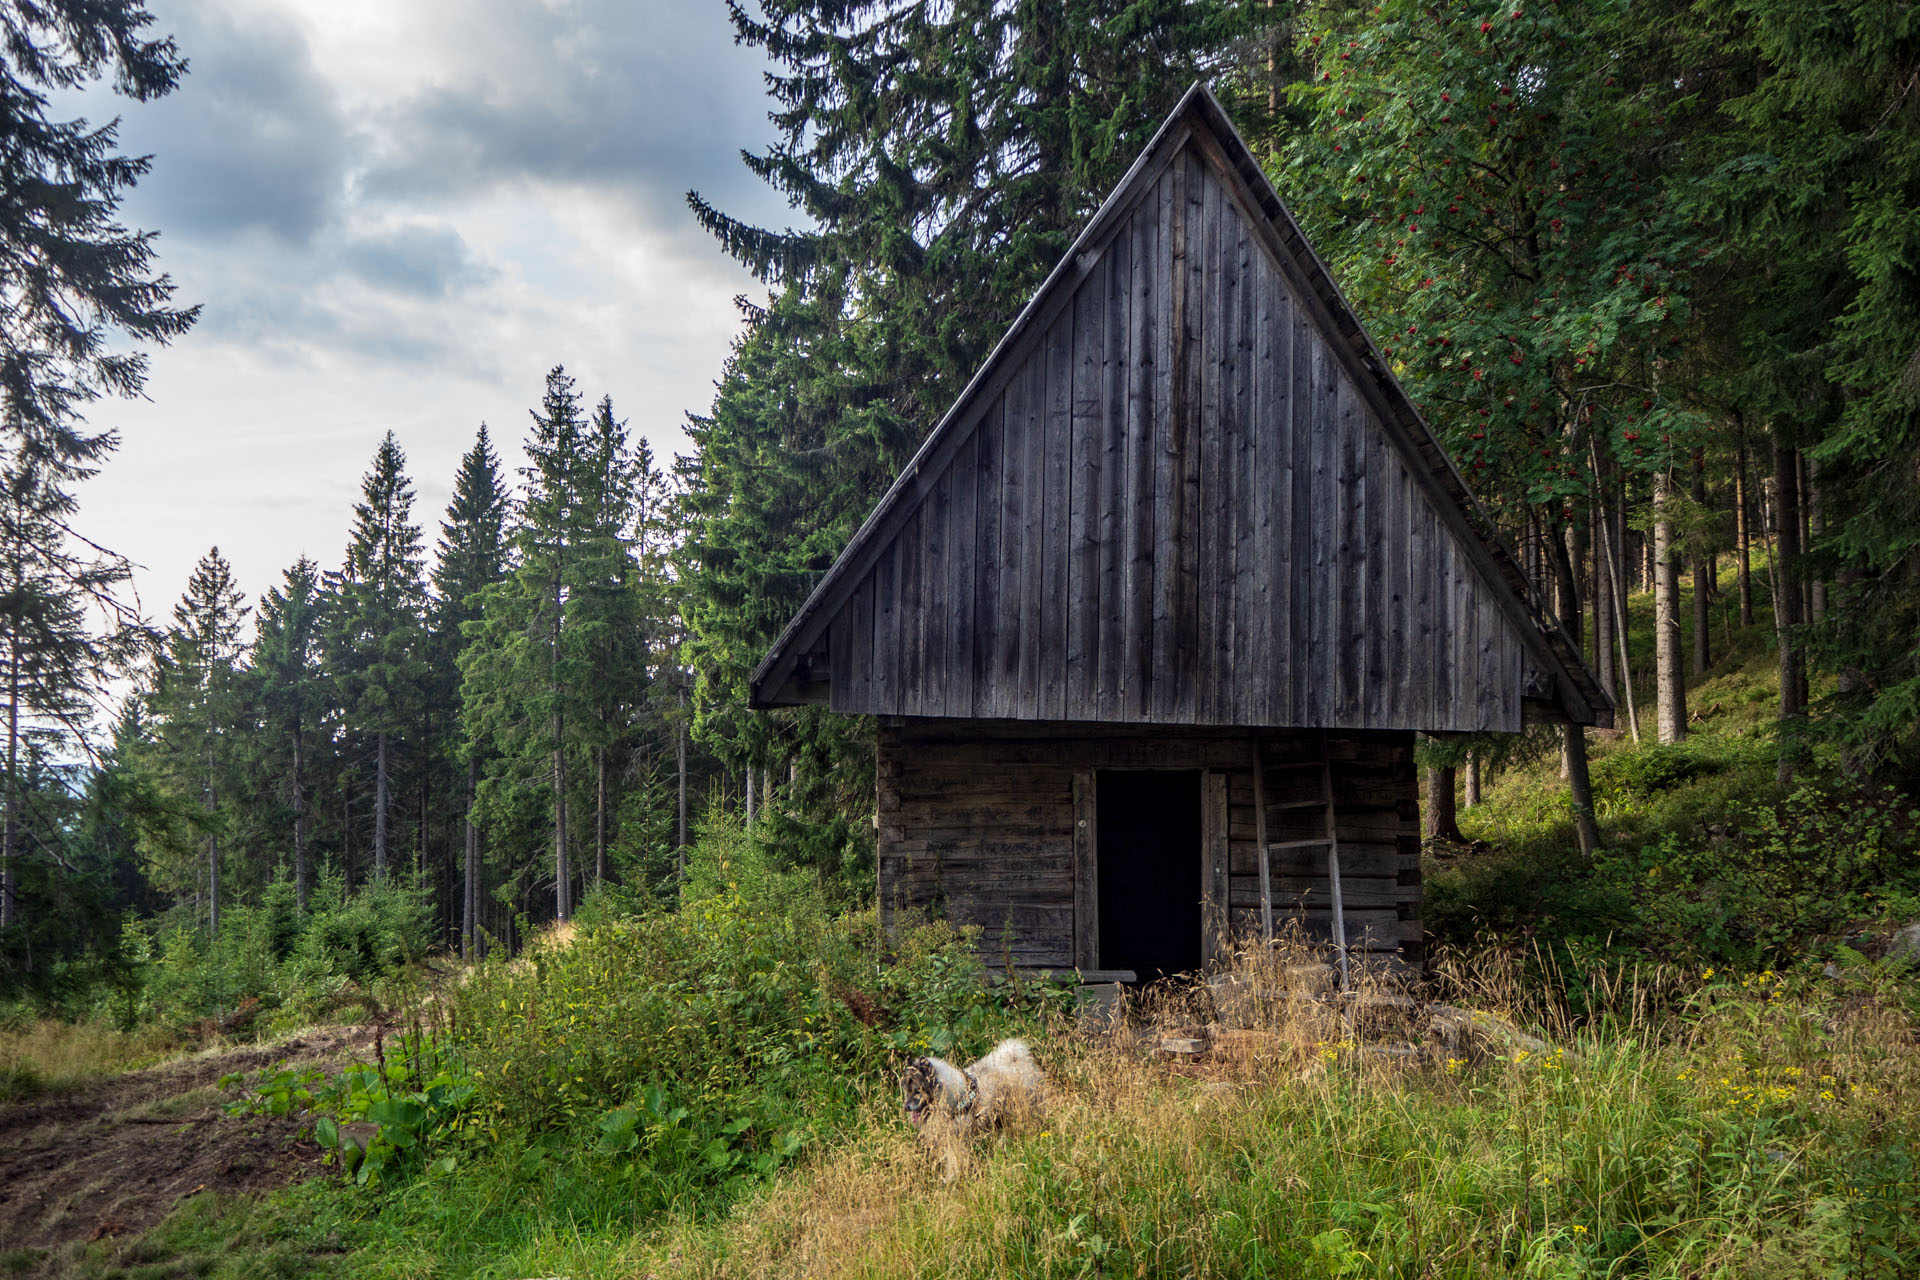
x: 1443, y: 819
x: 470, y: 880
x: 1816, y: 530
x: 213, y: 883
x: 299, y: 819
x: 680, y: 765
x: 1804, y: 509
x: 562, y: 875
x: 600, y: 818
x: 1670, y: 691
x: 1601, y: 595
x: 1786, y: 607
x: 1702, y: 580
x: 10, y: 829
x: 1573, y: 743
x: 381, y: 784
x: 1617, y: 590
x: 1573, y: 763
x: 1471, y: 784
x: 750, y: 813
x: 213, y: 841
x: 1743, y: 532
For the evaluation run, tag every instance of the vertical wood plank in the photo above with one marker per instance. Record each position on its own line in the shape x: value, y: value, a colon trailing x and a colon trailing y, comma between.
x: 1350, y: 572
x: 1420, y: 579
x: 1323, y: 588
x: 1013, y: 500
x: 958, y: 602
x: 1394, y: 553
x: 1277, y: 479
x: 912, y: 687
x: 1246, y: 662
x: 934, y: 616
x: 1209, y: 507
x: 1187, y: 427
x: 840, y: 642
x: 1084, y: 524
x: 1446, y: 639
x: 1213, y: 867
x: 1375, y: 617
x: 886, y: 632
x: 1169, y: 268
x: 1142, y: 349
x: 1032, y: 513
x: 1056, y: 506
x: 986, y: 561
x: 1086, y: 871
x: 1114, y: 384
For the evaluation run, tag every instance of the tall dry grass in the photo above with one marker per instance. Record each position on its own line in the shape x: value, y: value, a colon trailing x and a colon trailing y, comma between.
x: 45, y: 1055
x: 1694, y: 1126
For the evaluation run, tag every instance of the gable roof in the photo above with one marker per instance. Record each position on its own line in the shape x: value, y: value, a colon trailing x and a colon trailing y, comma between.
x: 1484, y: 593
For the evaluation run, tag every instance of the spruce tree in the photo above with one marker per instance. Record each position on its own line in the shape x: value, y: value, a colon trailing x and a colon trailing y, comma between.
x: 376, y: 628
x: 75, y: 280
x: 1816, y: 183
x: 606, y: 621
x: 472, y: 558
x: 522, y: 684
x: 197, y: 708
x: 291, y: 692
x: 944, y: 156
x: 63, y: 632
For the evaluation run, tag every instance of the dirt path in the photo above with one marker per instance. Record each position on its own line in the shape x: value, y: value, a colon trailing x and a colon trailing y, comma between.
x: 115, y: 1157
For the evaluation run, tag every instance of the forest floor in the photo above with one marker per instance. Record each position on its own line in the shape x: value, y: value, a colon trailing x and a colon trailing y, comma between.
x: 108, y: 1160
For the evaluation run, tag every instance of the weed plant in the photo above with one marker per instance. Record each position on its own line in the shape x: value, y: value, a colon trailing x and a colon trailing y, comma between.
x: 1766, y: 1128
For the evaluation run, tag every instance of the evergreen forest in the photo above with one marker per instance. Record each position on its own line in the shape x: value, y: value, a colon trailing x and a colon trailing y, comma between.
x: 465, y: 840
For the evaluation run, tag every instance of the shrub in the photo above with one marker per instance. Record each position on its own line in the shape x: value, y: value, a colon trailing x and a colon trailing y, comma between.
x: 726, y: 1034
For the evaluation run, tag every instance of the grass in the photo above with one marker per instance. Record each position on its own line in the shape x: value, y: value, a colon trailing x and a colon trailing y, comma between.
x: 45, y: 1055
x: 1668, y: 1081
x: 1739, y: 1137
x: 1673, y: 1123
x: 1706, y: 858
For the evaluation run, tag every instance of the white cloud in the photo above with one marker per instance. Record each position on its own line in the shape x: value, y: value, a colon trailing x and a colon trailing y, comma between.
x: 400, y: 215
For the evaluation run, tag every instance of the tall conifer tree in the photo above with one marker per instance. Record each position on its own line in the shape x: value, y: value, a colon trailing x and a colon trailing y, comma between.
x: 376, y: 627
x: 472, y: 558
x: 63, y: 633
x: 944, y: 156
x: 291, y: 692
x: 521, y: 683
x: 197, y: 703
x: 72, y: 276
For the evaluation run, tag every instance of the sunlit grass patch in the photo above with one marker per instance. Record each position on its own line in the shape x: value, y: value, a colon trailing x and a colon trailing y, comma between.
x: 46, y: 1055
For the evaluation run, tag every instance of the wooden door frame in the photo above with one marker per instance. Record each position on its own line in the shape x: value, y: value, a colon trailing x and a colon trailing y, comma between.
x: 1214, y: 852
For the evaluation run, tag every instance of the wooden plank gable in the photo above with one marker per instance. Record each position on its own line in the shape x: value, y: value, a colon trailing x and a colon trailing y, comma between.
x: 1176, y: 495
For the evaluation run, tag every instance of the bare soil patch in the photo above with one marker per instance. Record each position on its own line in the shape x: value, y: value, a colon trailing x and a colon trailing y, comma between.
x: 115, y: 1157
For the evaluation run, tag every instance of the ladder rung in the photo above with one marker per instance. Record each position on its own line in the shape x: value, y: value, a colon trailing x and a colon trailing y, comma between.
x: 1298, y: 844
x: 1296, y: 804
x: 1297, y: 764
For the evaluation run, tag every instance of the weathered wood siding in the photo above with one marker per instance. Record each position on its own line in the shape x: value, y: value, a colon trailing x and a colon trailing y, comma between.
x: 1179, y: 509
x: 977, y: 824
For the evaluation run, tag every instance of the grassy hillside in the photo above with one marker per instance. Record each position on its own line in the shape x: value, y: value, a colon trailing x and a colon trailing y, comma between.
x: 1687, y: 1060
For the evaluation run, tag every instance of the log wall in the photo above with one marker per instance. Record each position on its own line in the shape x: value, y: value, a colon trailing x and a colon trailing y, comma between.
x: 978, y: 823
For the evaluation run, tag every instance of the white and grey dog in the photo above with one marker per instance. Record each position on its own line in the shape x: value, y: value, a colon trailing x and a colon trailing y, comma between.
x: 972, y: 1099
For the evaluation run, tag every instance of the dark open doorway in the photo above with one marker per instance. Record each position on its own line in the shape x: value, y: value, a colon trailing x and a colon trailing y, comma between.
x: 1150, y: 882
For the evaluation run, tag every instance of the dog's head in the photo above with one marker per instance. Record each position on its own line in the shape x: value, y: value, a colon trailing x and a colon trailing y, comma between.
x: 919, y: 1086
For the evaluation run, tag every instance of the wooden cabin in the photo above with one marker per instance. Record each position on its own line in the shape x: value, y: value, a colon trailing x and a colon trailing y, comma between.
x: 1151, y: 620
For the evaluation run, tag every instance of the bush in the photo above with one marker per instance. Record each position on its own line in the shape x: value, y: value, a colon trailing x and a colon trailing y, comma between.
x: 721, y: 1038
x: 1650, y: 769
x: 277, y: 957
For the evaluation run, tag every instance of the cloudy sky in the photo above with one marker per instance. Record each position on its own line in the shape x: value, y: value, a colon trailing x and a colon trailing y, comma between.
x: 399, y: 214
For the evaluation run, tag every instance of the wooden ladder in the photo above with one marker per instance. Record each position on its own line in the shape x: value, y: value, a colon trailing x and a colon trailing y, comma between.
x: 1330, y: 842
